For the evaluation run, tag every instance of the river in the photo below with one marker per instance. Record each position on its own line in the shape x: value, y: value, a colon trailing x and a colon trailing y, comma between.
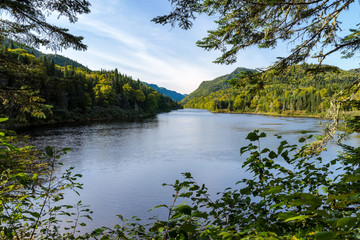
x: 125, y: 163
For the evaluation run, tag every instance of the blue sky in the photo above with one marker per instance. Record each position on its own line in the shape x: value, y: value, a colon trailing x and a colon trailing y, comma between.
x: 120, y: 34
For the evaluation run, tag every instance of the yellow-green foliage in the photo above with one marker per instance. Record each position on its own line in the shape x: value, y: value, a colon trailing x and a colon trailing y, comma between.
x: 39, y: 86
x: 294, y: 91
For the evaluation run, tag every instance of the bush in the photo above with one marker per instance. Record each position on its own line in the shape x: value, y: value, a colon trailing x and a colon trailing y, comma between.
x: 292, y: 195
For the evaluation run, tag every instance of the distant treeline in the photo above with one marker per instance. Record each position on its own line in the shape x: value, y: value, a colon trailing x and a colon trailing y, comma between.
x: 32, y: 88
x: 293, y: 92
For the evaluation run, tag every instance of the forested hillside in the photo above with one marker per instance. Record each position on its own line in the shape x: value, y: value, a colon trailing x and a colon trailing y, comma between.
x: 37, y: 88
x: 172, y: 94
x: 293, y: 92
x: 208, y: 87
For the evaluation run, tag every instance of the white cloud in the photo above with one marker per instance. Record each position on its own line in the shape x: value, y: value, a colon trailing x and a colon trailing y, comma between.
x: 121, y: 36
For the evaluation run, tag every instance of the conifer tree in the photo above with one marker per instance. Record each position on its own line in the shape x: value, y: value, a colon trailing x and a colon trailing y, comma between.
x: 26, y: 22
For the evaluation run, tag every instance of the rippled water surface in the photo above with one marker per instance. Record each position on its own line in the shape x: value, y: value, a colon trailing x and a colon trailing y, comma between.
x: 125, y: 163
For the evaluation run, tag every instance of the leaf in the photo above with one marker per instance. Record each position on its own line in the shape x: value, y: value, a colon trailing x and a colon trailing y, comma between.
x: 189, y: 227
x: 186, y: 194
x: 158, y: 206
x: 187, y: 175
x: 301, y: 140
x: 98, y: 231
x: 324, y: 235
x: 351, y: 178
x: 346, y: 221
x: 34, y: 214
x: 273, y: 190
x: 3, y: 119
x: 185, y: 209
x: 253, y: 136
x: 286, y: 215
x: 272, y: 155
x: 34, y: 177
x: 199, y: 214
x: 49, y: 151
x: 298, y: 218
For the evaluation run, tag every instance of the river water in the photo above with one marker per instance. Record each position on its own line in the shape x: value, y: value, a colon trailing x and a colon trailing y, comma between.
x: 125, y: 163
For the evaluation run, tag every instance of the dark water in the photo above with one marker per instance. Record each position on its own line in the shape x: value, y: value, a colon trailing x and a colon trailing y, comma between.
x: 125, y: 163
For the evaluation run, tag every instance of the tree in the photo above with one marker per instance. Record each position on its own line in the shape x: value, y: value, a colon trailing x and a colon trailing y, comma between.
x: 313, y: 26
x: 244, y: 23
x: 26, y: 22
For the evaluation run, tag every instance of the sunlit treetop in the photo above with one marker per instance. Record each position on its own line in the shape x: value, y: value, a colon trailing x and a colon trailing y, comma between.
x: 25, y: 22
x: 313, y: 26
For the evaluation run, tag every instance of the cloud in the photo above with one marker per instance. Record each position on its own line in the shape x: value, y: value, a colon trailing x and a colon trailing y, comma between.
x: 119, y: 36
x: 140, y: 57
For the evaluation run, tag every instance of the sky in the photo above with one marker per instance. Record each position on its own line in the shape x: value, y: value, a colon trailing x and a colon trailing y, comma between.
x: 119, y: 34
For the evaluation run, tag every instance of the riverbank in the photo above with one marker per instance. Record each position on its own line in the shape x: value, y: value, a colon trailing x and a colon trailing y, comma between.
x: 61, y: 117
x: 291, y: 114
x: 283, y: 114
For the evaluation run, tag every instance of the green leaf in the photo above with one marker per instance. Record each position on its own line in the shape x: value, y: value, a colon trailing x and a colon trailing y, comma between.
x: 298, y: 218
x: 189, y: 227
x: 346, y: 221
x: 273, y: 190
x: 351, y: 178
x: 301, y: 140
x: 186, y: 194
x: 253, y: 136
x: 184, y: 209
x: 34, y: 177
x: 158, y: 206
x: 272, y: 155
x: 286, y: 215
x: 34, y: 214
x: 324, y: 235
x: 98, y: 231
x: 3, y: 119
x: 199, y: 214
x: 49, y: 151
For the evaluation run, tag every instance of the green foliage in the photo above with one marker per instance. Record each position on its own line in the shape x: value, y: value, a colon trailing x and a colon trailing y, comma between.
x: 219, y: 83
x: 38, y: 90
x: 313, y: 25
x: 291, y: 195
x: 294, y: 92
x: 26, y: 22
x: 31, y: 193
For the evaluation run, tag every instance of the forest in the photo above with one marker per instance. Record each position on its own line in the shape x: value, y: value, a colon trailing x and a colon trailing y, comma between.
x: 293, y: 193
x: 36, y: 90
x: 295, y: 92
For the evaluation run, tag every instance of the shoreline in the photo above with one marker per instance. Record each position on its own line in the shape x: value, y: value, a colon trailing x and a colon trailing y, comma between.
x: 124, y: 117
x: 320, y: 116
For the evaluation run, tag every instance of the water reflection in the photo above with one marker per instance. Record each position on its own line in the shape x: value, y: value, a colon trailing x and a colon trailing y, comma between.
x: 125, y: 163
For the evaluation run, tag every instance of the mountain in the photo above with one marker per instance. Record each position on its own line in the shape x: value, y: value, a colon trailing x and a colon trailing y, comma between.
x: 40, y: 91
x: 58, y: 59
x: 219, y: 83
x: 172, y: 94
x: 296, y: 91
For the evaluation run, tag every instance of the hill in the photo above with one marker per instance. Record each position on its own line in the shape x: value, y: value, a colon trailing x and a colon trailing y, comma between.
x: 172, y: 94
x: 58, y: 59
x: 34, y: 89
x: 219, y: 83
x: 294, y: 92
